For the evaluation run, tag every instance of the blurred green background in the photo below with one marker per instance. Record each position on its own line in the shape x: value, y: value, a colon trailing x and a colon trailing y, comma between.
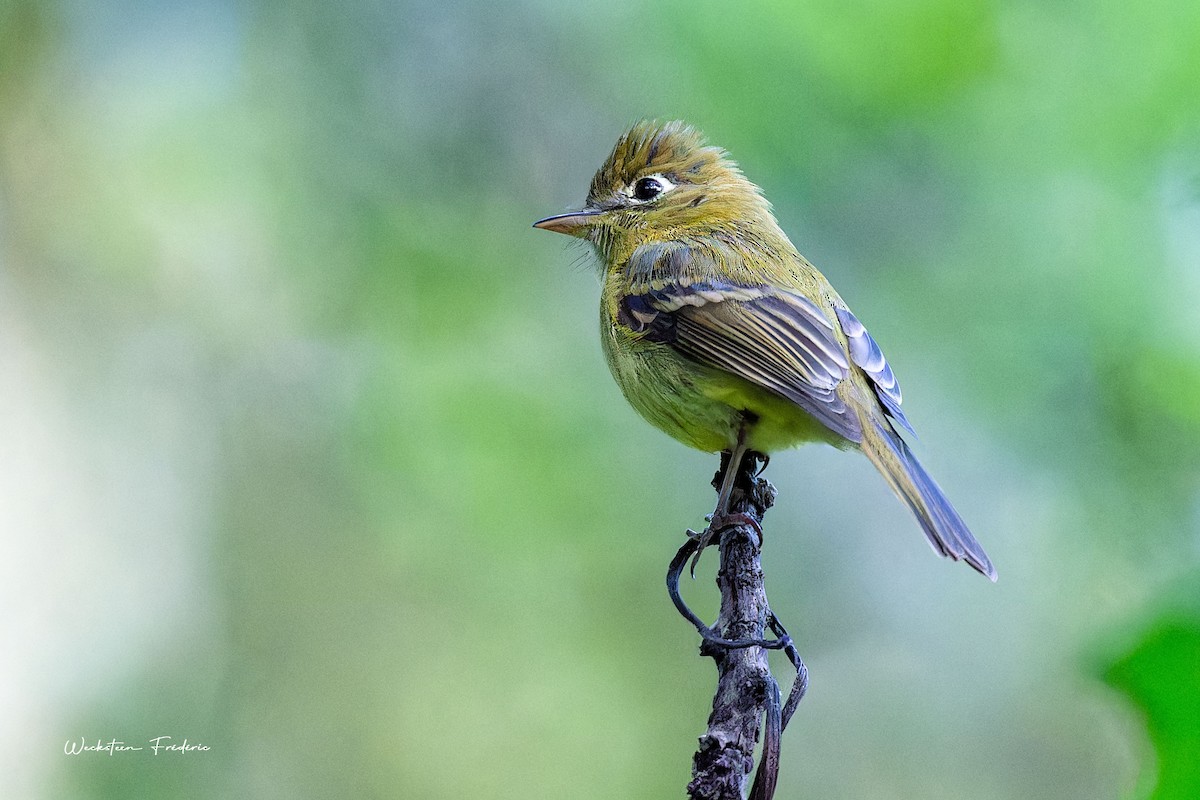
x: 308, y: 451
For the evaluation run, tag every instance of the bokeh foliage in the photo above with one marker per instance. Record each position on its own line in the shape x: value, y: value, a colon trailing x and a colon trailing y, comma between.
x: 1162, y: 675
x: 310, y: 453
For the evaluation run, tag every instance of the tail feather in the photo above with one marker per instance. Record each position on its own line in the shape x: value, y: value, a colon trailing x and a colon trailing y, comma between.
x: 944, y: 528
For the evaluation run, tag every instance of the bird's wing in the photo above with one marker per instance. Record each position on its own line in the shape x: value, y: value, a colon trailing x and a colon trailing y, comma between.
x: 867, y: 356
x: 771, y: 337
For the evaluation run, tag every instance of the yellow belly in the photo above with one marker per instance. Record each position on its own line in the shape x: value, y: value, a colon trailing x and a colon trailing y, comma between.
x: 701, y: 406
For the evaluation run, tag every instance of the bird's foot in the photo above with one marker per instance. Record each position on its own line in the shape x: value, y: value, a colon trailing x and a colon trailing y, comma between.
x: 718, y: 522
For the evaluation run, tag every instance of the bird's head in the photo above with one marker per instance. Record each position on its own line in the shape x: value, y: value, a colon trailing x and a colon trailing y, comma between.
x: 662, y: 182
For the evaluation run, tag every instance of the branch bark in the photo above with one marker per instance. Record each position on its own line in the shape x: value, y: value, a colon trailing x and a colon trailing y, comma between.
x: 746, y: 691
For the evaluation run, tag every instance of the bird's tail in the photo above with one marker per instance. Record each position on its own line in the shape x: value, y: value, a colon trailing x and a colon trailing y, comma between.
x: 943, y: 526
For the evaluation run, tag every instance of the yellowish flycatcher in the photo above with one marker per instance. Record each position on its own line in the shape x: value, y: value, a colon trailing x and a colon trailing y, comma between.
x: 722, y: 335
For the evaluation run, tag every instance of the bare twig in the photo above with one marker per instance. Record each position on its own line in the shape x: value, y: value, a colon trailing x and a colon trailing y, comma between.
x: 747, y: 694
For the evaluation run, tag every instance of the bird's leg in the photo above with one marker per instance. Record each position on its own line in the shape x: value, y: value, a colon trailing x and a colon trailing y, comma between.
x: 731, y: 471
x: 721, y: 518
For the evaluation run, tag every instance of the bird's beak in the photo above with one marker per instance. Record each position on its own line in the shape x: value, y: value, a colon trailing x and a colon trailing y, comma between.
x: 573, y: 223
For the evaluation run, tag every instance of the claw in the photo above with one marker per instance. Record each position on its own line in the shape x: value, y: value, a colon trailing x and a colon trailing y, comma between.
x: 703, y: 540
x: 718, y: 523
x: 766, y: 459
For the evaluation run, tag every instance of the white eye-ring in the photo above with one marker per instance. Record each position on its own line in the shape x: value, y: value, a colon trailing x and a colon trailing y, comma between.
x: 646, y: 189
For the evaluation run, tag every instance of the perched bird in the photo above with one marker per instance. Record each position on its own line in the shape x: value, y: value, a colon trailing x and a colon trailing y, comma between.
x: 722, y: 335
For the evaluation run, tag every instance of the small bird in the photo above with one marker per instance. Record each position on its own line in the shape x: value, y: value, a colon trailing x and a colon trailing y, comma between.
x: 722, y: 335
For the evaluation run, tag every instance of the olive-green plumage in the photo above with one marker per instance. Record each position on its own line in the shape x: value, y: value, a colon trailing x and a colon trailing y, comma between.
x: 715, y: 327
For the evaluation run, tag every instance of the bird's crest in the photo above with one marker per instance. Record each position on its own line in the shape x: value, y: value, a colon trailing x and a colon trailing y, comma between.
x: 669, y: 148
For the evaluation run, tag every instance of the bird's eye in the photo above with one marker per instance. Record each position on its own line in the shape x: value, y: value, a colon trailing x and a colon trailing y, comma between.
x: 647, y: 189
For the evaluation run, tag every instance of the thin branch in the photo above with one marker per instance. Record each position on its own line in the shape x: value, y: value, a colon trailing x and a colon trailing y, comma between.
x: 747, y: 694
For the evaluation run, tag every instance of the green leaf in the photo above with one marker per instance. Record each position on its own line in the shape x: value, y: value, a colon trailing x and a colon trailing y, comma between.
x: 1161, y: 675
